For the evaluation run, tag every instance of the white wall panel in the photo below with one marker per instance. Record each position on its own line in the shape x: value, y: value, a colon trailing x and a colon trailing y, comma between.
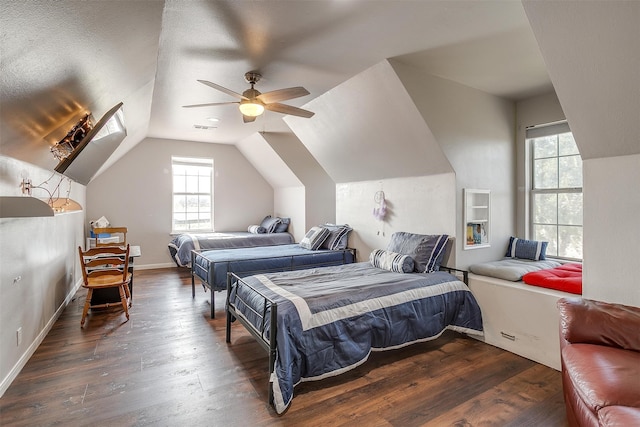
x: 136, y: 193
x: 611, y: 232
x: 38, y: 266
x: 423, y: 205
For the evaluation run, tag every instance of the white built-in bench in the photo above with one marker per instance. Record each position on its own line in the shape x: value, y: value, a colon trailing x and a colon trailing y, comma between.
x: 520, y: 318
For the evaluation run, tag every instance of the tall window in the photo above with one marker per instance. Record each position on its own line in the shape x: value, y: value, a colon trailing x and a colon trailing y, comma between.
x: 556, y: 190
x: 192, y: 194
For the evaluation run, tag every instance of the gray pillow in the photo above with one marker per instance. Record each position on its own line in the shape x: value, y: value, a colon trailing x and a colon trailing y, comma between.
x: 426, y: 250
x: 283, y: 225
x: 270, y: 224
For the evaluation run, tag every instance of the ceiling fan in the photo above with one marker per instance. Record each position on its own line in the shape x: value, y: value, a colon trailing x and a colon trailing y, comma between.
x: 253, y: 103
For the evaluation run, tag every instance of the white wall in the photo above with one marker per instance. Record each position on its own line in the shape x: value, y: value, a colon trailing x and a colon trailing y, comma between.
x: 611, y: 229
x: 42, y: 253
x: 592, y: 55
x: 423, y: 205
x: 290, y: 202
x: 538, y: 110
x: 475, y: 131
x: 319, y: 188
x: 136, y: 192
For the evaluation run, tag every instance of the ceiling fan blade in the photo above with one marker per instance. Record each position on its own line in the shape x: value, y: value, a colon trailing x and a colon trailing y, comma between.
x: 248, y: 119
x: 288, y: 109
x: 210, y: 104
x: 223, y: 89
x: 283, y: 94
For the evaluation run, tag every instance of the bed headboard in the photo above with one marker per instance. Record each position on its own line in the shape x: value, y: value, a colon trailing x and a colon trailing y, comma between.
x: 447, y: 259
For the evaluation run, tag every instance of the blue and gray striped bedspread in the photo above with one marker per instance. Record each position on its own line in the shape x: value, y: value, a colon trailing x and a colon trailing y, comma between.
x: 330, y: 319
x: 180, y: 246
x: 213, y: 266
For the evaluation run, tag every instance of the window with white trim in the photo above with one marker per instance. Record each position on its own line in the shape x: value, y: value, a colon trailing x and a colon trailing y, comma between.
x: 556, y: 190
x: 192, y: 194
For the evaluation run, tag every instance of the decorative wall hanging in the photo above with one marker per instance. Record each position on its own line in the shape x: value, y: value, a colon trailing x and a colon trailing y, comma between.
x: 54, y: 199
x: 380, y: 211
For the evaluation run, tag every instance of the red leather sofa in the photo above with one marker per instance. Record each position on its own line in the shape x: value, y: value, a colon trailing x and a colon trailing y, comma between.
x: 600, y: 354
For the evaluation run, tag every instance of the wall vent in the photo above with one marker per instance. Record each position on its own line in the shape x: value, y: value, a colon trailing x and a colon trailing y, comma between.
x: 205, y: 127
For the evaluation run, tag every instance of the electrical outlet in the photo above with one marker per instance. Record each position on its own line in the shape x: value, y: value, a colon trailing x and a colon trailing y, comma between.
x: 19, y: 336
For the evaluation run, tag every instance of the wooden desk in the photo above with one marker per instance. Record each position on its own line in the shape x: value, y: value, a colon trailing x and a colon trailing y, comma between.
x: 111, y: 295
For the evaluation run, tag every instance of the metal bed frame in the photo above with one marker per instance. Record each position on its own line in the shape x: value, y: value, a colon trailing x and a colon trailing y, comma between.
x: 271, y: 307
x: 290, y: 267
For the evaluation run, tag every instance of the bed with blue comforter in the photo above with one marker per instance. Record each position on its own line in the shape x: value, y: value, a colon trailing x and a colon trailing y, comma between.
x: 211, y: 267
x: 322, y: 322
x: 180, y: 246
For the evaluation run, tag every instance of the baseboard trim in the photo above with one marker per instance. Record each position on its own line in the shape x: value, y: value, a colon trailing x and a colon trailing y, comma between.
x: 153, y: 266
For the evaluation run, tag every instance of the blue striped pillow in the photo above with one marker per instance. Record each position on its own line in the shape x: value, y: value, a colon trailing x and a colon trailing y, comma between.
x: 338, y: 236
x: 391, y: 261
x: 526, y: 249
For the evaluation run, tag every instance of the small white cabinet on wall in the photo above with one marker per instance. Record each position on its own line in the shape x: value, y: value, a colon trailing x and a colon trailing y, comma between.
x: 477, y: 218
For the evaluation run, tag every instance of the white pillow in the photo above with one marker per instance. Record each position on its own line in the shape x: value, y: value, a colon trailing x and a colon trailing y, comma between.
x: 256, y: 229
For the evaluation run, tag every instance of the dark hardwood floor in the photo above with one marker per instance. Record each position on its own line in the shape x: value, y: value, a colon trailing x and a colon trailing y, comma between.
x: 169, y: 365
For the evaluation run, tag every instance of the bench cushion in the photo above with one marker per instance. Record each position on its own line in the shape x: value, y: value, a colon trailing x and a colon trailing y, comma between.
x: 510, y: 269
x: 566, y: 278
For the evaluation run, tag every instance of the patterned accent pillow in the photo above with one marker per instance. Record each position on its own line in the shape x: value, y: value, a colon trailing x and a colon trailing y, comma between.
x: 270, y: 223
x: 338, y: 236
x: 427, y: 251
x: 526, y: 249
x: 256, y: 229
x: 391, y: 261
x: 314, y: 238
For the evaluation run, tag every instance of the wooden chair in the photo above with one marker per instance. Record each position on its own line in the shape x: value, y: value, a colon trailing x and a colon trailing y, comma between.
x: 119, y: 232
x: 106, y: 267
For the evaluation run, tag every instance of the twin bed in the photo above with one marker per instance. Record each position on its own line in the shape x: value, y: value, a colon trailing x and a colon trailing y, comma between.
x: 180, y: 246
x: 271, y: 231
x: 322, y: 322
x: 212, y: 267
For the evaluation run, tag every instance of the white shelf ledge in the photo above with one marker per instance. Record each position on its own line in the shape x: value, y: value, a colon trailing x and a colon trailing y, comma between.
x: 23, y: 207
x: 30, y: 207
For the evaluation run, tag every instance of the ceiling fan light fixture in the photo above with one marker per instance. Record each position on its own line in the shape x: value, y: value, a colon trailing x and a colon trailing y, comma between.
x: 251, y: 108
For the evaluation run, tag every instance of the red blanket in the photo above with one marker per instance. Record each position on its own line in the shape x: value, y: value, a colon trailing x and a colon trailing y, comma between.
x: 566, y: 278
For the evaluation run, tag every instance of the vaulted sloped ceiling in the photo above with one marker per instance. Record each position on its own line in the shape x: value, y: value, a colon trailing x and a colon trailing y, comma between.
x: 368, y: 128
x: 266, y: 161
x: 592, y: 52
x: 62, y: 59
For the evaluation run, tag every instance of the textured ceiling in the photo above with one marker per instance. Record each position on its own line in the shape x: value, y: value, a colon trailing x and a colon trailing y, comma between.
x: 59, y: 59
